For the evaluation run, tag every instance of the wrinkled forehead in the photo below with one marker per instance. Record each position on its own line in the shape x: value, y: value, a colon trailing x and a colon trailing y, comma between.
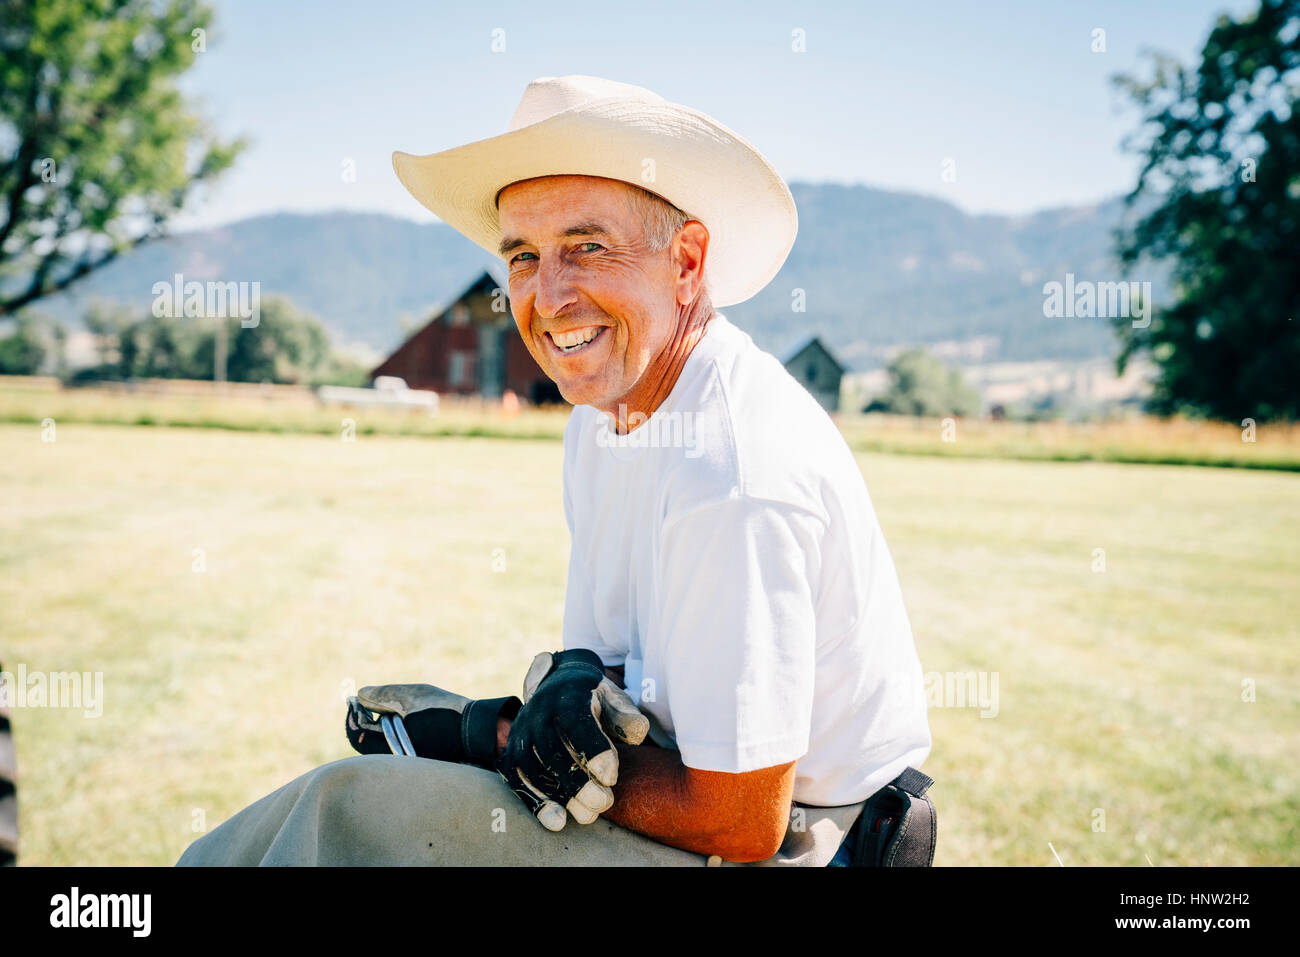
x: 548, y: 208
x: 567, y: 186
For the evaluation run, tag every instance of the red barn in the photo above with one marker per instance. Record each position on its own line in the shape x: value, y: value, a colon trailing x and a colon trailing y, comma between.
x: 472, y: 347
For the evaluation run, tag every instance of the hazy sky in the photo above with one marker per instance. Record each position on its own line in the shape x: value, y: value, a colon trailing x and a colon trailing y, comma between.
x: 883, y: 95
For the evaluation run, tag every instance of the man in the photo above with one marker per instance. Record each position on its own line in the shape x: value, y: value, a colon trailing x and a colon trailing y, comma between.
x: 726, y: 568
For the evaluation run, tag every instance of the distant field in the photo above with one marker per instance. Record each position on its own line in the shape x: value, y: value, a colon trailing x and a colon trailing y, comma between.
x: 233, y: 586
x: 1141, y: 440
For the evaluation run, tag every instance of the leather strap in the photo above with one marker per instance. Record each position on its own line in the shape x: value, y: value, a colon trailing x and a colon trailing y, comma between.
x: 899, y: 826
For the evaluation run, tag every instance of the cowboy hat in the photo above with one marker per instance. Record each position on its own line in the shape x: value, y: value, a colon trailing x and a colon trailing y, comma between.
x: 585, y: 125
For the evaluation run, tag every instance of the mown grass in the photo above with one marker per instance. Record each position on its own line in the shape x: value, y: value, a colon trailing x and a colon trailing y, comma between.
x: 328, y: 564
x: 277, y: 412
x: 1140, y: 440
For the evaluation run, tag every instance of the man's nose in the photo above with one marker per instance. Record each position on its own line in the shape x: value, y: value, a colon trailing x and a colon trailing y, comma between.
x: 554, y: 287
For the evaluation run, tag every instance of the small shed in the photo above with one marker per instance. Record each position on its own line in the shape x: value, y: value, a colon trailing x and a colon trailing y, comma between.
x: 471, y: 346
x: 812, y: 364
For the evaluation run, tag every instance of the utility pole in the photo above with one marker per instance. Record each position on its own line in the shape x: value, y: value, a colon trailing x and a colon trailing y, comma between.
x: 219, y: 353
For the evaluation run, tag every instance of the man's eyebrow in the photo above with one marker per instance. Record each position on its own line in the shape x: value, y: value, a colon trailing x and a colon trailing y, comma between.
x: 580, y: 229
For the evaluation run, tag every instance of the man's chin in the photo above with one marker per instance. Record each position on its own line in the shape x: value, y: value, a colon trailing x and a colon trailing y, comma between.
x: 579, y: 393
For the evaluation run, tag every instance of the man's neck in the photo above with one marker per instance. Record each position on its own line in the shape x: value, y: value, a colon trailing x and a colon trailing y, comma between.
x: 664, y: 371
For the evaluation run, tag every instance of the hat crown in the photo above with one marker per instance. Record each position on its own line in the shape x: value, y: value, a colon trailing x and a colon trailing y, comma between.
x: 549, y: 95
x: 590, y: 126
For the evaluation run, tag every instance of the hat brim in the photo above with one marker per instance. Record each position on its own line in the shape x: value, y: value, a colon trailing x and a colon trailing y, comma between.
x: 691, y: 160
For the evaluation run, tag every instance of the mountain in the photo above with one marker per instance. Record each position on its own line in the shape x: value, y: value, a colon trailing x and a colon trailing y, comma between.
x: 879, y: 270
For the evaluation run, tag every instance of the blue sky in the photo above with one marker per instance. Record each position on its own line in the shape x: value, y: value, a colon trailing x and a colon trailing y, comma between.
x: 883, y: 94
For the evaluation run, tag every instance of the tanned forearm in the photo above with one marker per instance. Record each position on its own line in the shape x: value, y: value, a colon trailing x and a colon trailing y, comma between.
x: 651, y: 798
x: 739, y: 817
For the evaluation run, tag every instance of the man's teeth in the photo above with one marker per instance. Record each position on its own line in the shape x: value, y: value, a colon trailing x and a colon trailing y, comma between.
x: 568, y: 341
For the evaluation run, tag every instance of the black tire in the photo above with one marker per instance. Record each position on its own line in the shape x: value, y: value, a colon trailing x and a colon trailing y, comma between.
x: 8, y: 791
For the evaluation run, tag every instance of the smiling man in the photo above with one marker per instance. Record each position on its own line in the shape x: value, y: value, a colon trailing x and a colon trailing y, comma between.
x: 612, y: 304
x: 607, y: 313
x: 737, y: 584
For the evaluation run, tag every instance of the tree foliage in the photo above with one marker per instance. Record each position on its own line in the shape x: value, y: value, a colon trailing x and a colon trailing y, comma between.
x: 287, y: 346
x: 97, y: 147
x: 922, y: 385
x: 23, y: 348
x: 1221, y: 186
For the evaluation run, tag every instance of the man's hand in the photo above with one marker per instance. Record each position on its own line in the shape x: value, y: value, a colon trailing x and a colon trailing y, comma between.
x: 560, y: 754
x: 442, y: 725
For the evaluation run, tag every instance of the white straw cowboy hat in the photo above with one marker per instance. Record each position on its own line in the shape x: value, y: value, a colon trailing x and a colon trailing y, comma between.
x: 585, y: 125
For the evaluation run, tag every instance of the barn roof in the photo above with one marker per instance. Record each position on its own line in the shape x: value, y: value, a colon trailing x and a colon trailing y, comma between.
x: 497, y: 270
x: 491, y: 276
x: 793, y: 351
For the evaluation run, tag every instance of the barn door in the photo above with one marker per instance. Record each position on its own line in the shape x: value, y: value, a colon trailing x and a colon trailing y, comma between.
x: 491, y: 359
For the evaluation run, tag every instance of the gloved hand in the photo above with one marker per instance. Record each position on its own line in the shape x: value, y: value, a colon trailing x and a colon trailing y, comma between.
x: 560, y: 755
x: 442, y: 725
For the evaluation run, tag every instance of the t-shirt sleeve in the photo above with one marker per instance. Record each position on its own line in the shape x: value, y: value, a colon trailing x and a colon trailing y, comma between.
x: 738, y: 609
x: 579, y: 629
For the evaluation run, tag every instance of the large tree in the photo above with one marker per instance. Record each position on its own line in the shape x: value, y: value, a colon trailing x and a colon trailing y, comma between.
x: 1219, y: 193
x: 98, y: 149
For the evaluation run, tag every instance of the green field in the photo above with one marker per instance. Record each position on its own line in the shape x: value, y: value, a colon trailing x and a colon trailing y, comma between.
x: 242, y: 407
x: 327, y: 564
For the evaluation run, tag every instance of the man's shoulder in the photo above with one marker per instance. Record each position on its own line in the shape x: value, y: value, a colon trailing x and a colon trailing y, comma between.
x: 758, y: 433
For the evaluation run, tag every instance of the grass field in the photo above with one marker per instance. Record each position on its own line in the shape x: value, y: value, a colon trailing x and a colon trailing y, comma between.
x: 245, y: 408
x: 232, y: 586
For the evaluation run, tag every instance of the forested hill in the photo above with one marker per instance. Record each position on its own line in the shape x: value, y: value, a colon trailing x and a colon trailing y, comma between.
x: 877, y: 269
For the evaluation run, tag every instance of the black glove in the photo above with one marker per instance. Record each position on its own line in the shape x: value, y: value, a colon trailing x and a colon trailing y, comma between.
x: 442, y: 725
x: 559, y: 755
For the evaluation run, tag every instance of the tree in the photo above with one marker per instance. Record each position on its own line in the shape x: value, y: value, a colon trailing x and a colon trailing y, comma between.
x: 922, y: 385
x: 22, y: 351
x: 286, y: 345
x: 107, y: 322
x: 163, y: 348
x: 1221, y: 186
x: 97, y: 147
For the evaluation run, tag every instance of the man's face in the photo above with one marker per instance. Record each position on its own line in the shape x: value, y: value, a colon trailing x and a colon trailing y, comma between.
x: 579, y: 270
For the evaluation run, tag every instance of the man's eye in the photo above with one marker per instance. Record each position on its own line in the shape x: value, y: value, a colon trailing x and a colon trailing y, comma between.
x: 580, y: 248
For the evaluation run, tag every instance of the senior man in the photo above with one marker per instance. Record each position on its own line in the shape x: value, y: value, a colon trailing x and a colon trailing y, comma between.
x: 726, y: 565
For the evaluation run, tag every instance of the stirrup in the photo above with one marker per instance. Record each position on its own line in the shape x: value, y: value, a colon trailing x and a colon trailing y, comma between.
x: 394, y: 728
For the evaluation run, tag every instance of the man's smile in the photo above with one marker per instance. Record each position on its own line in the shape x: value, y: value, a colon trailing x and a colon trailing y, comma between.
x: 574, y: 341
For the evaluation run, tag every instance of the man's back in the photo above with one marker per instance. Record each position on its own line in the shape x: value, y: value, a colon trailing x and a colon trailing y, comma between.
x: 726, y: 552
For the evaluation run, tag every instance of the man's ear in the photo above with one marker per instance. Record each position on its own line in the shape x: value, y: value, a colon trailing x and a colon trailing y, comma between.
x: 690, y: 250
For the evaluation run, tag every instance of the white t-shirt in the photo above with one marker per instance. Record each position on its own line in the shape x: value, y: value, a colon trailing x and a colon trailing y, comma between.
x: 726, y: 553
